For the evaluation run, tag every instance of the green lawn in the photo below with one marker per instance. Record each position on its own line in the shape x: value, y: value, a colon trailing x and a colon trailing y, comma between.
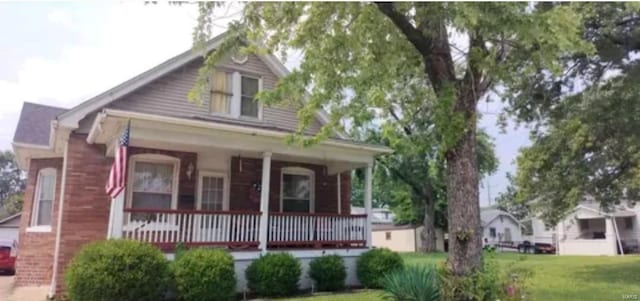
x: 596, y: 278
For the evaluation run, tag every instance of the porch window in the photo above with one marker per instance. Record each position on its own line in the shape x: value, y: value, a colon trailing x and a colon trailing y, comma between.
x: 153, y: 182
x: 212, y: 192
x: 221, y: 93
x: 297, y: 190
x: 248, y: 104
x: 43, y: 201
x: 628, y: 223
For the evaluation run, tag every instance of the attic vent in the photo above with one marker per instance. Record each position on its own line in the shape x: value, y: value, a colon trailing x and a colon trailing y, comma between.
x: 239, y: 58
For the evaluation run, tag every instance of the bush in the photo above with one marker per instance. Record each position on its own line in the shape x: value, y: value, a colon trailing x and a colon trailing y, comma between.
x: 374, y: 264
x: 328, y: 273
x: 121, y: 270
x: 205, y: 274
x: 275, y: 274
x: 412, y: 283
x: 488, y: 284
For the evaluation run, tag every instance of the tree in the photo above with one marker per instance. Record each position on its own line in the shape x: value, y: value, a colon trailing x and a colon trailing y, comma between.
x: 12, y: 182
x: 586, y: 145
x: 355, y: 53
x: 509, y: 202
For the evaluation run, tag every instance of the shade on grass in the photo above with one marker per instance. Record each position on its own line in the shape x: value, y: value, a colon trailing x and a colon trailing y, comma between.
x: 558, y: 278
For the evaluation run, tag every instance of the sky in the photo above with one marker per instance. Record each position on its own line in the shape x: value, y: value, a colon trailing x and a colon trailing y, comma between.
x: 61, y: 54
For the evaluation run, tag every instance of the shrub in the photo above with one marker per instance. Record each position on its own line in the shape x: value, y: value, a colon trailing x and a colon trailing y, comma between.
x: 204, y: 274
x: 121, y: 270
x: 412, y: 283
x: 488, y: 284
x: 374, y: 264
x: 275, y: 274
x: 328, y: 273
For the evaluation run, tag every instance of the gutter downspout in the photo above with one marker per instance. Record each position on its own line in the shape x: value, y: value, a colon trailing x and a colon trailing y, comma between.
x: 56, y: 254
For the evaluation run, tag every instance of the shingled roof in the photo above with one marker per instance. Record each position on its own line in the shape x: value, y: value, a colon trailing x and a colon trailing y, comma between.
x: 34, y: 125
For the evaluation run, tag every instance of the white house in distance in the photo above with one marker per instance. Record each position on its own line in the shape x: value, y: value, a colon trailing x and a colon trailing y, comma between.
x: 499, y: 227
x: 379, y: 215
x: 588, y: 230
x: 9, y: 227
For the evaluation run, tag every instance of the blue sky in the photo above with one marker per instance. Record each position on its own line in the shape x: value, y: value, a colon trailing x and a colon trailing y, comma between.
x: 63, y: 53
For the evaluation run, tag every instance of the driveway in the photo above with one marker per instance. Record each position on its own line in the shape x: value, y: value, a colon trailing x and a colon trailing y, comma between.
x: 6, y: 283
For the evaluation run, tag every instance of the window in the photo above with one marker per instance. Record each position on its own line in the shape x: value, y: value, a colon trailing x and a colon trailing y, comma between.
x: 297, y: 190
x: 43, y: 198
x: 248, y: 104
x: 221, y: 93
x: 628, y: 223
x: 154, y: 182
x: 213, y: 193
x: 387, y: 235
x: 492, y: 232
x: 583, y: 224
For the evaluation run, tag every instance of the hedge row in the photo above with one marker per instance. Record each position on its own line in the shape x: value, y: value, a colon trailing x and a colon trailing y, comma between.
x: 133, y: 271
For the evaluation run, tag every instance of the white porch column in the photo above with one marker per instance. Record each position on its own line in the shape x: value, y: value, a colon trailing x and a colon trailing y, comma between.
x: 117, y: 215
x: 264, y: 201
x: 367, y: 201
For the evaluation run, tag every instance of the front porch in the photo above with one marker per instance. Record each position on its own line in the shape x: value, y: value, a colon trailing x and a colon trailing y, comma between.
x: 194, y: 183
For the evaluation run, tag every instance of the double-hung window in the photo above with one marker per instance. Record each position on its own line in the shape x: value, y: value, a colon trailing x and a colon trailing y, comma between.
x: 234, y: 94
x: 154, y: 183
x: 297, y: 190
x: 213, y: 192
x: 43, y: 198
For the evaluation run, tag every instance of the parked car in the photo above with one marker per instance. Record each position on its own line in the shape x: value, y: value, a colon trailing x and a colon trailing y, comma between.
x: 8, y: 253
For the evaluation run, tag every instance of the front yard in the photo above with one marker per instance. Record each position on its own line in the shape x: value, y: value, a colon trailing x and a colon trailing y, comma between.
x: 555, y: 277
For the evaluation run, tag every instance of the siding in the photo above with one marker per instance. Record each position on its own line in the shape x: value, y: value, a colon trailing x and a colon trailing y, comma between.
x: 168, y: 96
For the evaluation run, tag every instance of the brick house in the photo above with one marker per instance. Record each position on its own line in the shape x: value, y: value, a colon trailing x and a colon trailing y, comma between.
x: 211, y: 174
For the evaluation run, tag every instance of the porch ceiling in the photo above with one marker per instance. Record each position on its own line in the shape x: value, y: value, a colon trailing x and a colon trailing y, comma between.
x: 188, y: 135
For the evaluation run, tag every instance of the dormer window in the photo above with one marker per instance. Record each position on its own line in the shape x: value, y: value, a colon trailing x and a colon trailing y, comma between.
x: 234, y: 94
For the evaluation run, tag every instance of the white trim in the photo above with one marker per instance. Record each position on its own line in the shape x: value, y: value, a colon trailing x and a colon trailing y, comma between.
x: 154, y: 158
x: 301, y: 171
x: 36, y: 197
x: 38, y: 229
x: 367, y: 202
x: 225, y: 187
x: 56, y: 254
x: 374, y: 149
x: 264, y: 201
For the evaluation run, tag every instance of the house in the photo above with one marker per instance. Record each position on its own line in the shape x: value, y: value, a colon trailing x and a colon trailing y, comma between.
x: 403, y: 238
x: 590, y: 230
x: 9, y: 227
x: 499, y: 227
x: 379, y: 215
x: 216, y: 174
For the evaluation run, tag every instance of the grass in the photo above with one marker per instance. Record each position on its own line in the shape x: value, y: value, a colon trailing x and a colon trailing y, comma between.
x: 555, y: 278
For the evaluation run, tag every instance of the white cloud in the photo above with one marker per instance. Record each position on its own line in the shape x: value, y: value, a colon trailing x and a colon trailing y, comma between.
x: 60, y: 17
x: 134, y: 38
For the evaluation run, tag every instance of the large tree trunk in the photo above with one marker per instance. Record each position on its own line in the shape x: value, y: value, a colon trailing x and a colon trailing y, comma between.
x: 465, y: 242
x: 429, y: 228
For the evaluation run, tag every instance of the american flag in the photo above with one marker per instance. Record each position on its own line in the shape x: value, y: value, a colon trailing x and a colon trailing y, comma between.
x: 118, y: 175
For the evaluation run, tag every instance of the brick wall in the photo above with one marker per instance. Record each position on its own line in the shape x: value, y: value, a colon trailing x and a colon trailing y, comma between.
x: 243, y: 179
x: 35, y: 256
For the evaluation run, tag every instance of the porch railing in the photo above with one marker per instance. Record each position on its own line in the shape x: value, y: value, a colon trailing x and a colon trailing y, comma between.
x: 296, y: 229
x: 166, y: 228
x: 241, y: 229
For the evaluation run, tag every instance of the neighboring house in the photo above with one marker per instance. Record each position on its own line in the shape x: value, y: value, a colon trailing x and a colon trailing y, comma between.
x: 498, y: 226
x: 588, y: 230
x: 403, y: 238
x: 379, y: 215
x: 211, y: 174
x: 9, y: 227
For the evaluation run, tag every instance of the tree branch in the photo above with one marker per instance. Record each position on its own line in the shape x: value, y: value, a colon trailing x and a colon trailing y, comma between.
x: 417, y: 39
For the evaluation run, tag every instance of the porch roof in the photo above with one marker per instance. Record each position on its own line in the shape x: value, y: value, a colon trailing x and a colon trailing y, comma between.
x: 150, y: 130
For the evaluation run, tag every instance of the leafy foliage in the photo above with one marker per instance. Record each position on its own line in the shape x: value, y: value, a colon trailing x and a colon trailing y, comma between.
x: 274, y: 274
x: 492, y: 282
x: 412, y: 283
x: 205, y: 274
x: 328, y: 273
x: 122, y: 270
x: 373, y: 265
x: 12, y: 183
